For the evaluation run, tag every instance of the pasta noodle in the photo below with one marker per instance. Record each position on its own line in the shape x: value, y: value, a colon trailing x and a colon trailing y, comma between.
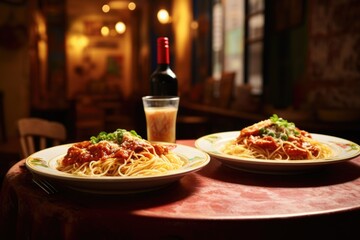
x: 121, y: 153
x: 276, y: 139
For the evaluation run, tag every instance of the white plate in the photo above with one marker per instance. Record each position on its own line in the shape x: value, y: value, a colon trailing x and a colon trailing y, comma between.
x: 44, y: 163
x: 343, y: 150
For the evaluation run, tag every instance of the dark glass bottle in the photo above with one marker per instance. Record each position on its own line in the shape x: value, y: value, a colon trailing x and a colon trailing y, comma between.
x: 163, y: 81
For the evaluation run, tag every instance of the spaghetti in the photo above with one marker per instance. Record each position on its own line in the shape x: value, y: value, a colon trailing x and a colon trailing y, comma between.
x: 121, y: 153
x: 276, y: 139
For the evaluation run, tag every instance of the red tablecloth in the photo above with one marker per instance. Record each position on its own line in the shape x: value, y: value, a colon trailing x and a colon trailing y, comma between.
x: 215, y: 203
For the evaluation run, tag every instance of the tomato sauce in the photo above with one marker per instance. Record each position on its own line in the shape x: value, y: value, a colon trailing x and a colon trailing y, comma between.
x: 85, y: 151
x: 300, y: 150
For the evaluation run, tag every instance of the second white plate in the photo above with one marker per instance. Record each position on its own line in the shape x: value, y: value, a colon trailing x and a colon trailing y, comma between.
x: 343, y: 150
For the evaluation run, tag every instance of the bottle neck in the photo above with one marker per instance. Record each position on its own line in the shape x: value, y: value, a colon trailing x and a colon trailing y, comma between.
x: 163, y: 55
x: 163, y: 66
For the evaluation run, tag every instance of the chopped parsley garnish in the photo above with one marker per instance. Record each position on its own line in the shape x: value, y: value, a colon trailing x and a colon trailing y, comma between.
x: 280, y: 128
x: 115, y: 136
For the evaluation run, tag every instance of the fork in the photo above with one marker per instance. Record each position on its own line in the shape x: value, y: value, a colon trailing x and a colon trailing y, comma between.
x: 45, y: 185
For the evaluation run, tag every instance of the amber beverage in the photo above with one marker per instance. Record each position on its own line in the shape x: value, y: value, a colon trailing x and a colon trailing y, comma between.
x: 160, y: 113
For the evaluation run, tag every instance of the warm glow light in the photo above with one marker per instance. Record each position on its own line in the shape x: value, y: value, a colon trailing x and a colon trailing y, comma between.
x: 105, y: 31
x: 163, y: 16
x: 131, y: 6
x: 118, y: 4
x: 120, y: 27
x: 78, y: 41
x: 194, y: 25
x: 105, y: 8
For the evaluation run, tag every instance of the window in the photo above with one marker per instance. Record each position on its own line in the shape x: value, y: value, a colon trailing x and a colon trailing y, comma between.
x: 254, y: 45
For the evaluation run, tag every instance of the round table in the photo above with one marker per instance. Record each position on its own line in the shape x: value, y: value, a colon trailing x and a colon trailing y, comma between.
x: 215, y: 203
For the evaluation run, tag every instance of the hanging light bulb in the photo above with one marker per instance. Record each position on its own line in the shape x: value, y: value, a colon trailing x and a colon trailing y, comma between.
x: 105, y: 8
x: 120, y: 27
x: 131, y: 6
x: 163, y: 16
x: 105, y: 31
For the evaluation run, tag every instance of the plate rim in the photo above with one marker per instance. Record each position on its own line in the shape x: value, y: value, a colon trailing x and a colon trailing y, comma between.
x: 233, y: 159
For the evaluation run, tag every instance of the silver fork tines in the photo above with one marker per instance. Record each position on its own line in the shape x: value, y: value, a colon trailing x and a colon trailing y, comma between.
x: 45, y: 185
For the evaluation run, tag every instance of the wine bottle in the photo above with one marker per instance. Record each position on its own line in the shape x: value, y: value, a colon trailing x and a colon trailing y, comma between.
x: 163, y: 81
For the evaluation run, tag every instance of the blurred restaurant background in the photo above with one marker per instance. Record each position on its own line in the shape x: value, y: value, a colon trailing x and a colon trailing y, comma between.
x: 87, y: 63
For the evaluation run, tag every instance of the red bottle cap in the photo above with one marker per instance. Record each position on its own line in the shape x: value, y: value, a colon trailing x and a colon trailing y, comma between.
x: 163, y: 55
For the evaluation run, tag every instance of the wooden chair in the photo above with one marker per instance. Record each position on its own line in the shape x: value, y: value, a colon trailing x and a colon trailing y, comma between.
x: 224, y: 89
x: 227, y: 85
x: 37, y: 134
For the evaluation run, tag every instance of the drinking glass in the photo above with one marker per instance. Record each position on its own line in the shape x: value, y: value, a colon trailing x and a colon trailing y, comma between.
x: 161, y: 113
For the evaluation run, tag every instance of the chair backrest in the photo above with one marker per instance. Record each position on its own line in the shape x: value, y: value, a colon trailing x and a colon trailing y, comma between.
x: 219, y: 93
x: 37, y: 134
